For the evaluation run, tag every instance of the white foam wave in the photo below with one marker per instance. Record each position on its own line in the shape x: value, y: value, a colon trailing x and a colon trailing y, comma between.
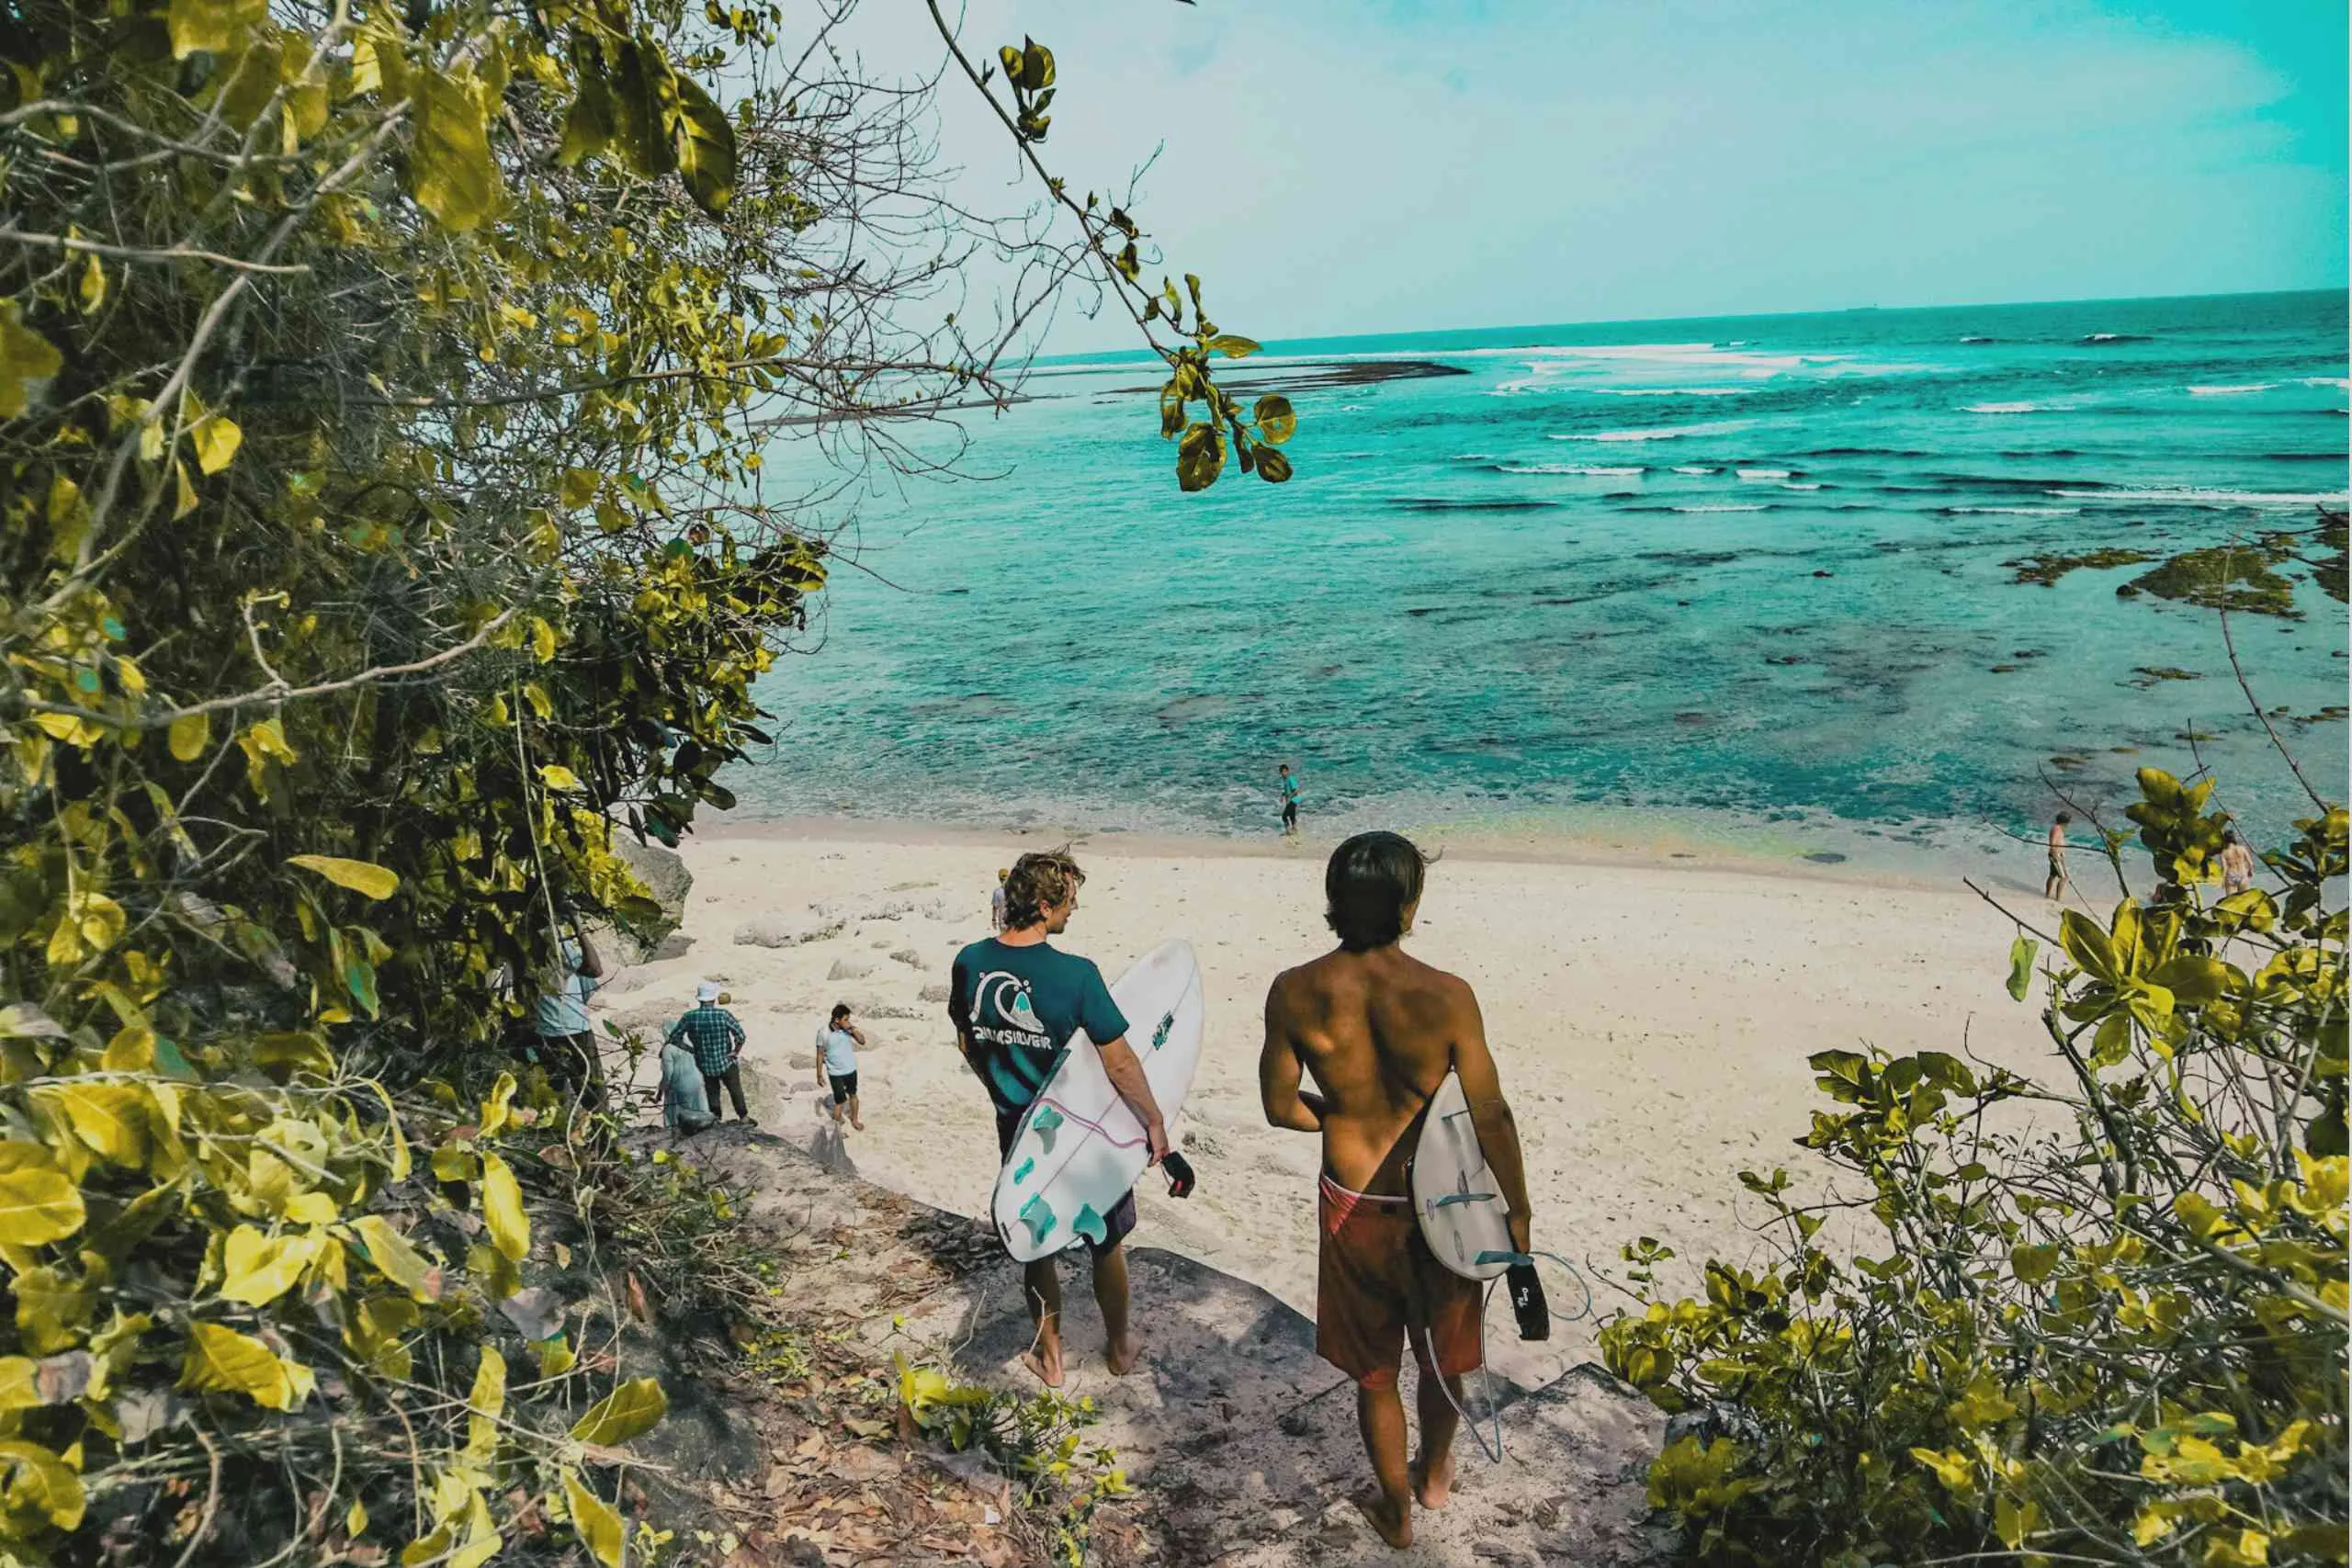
x: 1750, y: 506
x: 1695, y: 468
x: 2231, y: 391
x: 2187, y: 495
x: 1798, y: 484
x: 2336, y: 381
x: 2003, y: 408
x: 2022, y: 511
x: 1655, y: 432
x: 1587, y: 470
x: 1757, y: 476
x: 1670, y: 391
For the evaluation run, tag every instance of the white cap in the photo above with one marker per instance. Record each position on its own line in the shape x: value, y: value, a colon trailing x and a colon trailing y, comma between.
x: 708, y: 991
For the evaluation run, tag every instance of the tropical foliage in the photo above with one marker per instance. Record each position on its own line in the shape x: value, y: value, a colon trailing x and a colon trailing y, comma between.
x: 387, y: 396
x: 2100, y: 1320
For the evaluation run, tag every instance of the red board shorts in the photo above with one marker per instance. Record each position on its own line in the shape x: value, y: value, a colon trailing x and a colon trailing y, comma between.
x: 1375, y: 1280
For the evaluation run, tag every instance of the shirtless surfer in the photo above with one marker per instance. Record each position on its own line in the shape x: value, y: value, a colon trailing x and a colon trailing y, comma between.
x: 2055, y: 883
x: 1379, y: 1029
x: 1017, y: 1000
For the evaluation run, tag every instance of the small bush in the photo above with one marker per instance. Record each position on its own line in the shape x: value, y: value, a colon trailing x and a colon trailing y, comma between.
x: 2105, y: 1322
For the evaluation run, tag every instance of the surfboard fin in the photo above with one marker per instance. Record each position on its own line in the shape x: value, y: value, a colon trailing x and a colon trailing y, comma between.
x: 1090, y: 1225
x: 1022, y: 1175
x: 1046, y: 1123
x: 1038, y: 1215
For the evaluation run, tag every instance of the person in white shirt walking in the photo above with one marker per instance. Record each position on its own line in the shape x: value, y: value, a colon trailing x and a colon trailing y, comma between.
x: 837, y: 1044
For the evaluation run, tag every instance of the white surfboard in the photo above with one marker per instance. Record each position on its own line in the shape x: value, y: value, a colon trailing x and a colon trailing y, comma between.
x: 1080, y: 1149
x: 1460, y: 1204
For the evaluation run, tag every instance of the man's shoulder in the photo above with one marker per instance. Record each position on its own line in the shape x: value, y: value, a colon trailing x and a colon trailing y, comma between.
x: 973, y: 954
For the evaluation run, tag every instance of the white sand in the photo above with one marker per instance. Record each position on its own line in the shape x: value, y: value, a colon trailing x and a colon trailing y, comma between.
x: 1651, y: 1020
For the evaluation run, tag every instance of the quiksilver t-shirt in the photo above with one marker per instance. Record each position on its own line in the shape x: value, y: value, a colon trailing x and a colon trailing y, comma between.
x: 1019, y: 1006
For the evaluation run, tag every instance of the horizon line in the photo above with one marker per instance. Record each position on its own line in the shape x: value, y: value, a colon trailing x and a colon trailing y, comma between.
x: 1269, y: 344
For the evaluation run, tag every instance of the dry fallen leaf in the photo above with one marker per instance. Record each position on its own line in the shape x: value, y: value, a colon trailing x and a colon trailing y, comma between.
x: 638, y: 1306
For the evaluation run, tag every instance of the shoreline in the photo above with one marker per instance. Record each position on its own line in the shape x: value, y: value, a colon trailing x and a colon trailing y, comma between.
x: 1660, y: 841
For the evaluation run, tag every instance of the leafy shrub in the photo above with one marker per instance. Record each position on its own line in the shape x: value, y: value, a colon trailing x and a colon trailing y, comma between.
x: 1037, y: 1441
x: 2105, y: 1320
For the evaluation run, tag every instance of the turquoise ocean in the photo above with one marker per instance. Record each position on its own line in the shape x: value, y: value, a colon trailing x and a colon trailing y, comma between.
x: 1744, y: 580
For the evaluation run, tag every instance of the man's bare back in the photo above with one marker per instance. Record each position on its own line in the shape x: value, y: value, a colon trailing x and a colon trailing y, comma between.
x: 1378, y: 1030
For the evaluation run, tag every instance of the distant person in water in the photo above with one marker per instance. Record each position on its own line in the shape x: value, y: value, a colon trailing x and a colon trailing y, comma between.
x: 1015, y: 1000
x: 2055, y: 884
x: 1380, y: 1030
x: 837, y: 1045
x: 995, y: 901
x: 2237, y: 864
x: 1290, y: 802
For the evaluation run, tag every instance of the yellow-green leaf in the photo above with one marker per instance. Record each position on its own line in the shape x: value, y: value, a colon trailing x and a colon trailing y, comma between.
x: 110, y: 1118
x: 36, y: 1202
x: 188, y: 735
x: 355, y: 1523
x: 629, y: 1411
x: 93, y: 288
x: 217, y: 26
x: 501, y: 1209
x: 588, y: 124
x: 706, y: 148
x: 451, y: 172
x: 217, y: 438
x: 396, y: 1260
x: 1233, y: 345
x: 25, y: 357
x: 486, y: 1403
x: 1277, y: 422
x: 364, y: 877
x: 258, y: 1269
x: 38, y: 1480
x: 598, y: 1524
x: 496, y: 1110
x: 2021, y: 954
x: 556, y: 776
x: 222, y: 1359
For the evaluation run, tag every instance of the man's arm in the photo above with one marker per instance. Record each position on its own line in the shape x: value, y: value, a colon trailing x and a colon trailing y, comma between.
x: 1119, y: 1065
x: 1279, y: 1071
x: 592, y: 962
x: 1489, y: 1113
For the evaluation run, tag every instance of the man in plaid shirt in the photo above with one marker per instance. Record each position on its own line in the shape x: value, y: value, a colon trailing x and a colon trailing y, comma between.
x: 716, y: 1038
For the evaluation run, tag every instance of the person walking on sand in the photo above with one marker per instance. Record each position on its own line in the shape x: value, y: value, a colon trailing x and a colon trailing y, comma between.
x: 1015, y: 1000
x: 716, y: 1038
x: 1290, y: 801
x: 995, y: 901
x: 837, y: 1044
x: 1380, y: 1030
x: 2055, y: 884
x: 2237, y: 864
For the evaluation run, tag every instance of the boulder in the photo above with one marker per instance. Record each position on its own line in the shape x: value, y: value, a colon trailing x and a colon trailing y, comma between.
x: 934, y: 992
x: 849, y: 969
x: 665, y: 877
x: 910, y: 958
x: 770, y: 931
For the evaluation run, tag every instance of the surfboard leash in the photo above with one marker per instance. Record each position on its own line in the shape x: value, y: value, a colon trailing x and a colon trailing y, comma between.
x: 1494, y: 1454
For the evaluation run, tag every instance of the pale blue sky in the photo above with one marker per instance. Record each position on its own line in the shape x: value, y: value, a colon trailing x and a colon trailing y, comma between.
x: 1366, y: 165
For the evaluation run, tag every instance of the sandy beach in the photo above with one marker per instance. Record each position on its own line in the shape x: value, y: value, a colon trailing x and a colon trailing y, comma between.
x: 1651, y: 1020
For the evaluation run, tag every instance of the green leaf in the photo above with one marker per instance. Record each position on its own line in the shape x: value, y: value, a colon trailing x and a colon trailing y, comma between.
x: 637, y: 131
x: 1272, y: 467
x: 450, y: 170
x: 38, y: 1480
x: 706, y: 149
x: 2193, y: 979
x: 396, y: 1260
x: 1277, y: 422
x: 1200, y: 457
x: 365, y: 877
x: 258, y: 1269
x: 188, y: 735
x: 2021, y: 954
x: 629, y: 1411
x: 217, y: 438
x: 223, y: 1360
x: 1234, y: 346
x: 2088, y: 946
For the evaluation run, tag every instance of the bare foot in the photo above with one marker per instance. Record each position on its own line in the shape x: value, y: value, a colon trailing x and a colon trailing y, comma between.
x: 1393, y: 1525
x: 1121, y: 1354
x: 853, y: 1122
x: 1045, y: 1361
x: 1433, y: 1483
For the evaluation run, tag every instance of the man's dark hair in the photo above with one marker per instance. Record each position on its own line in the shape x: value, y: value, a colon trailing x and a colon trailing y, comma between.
x: 1367, y: 888
x: 1039, y: 882
x: 2066, y: 817
x: 840, y: 1012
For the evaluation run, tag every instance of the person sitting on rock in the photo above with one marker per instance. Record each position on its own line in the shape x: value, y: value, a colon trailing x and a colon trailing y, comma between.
x: 686, y: 1108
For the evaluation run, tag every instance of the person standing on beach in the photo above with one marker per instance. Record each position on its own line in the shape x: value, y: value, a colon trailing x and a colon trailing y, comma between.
x: 716, y: 1038
x: 1015, y: 1000
x: 1380, y: 1030
x: 1290, y: 802
x: 2237, y: 864
x: 837, y: 1044
x: 996, y: 901
x: 2055, y: 884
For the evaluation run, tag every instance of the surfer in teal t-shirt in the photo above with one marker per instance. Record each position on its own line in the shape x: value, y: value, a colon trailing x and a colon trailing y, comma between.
x: 1017, y: 1000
